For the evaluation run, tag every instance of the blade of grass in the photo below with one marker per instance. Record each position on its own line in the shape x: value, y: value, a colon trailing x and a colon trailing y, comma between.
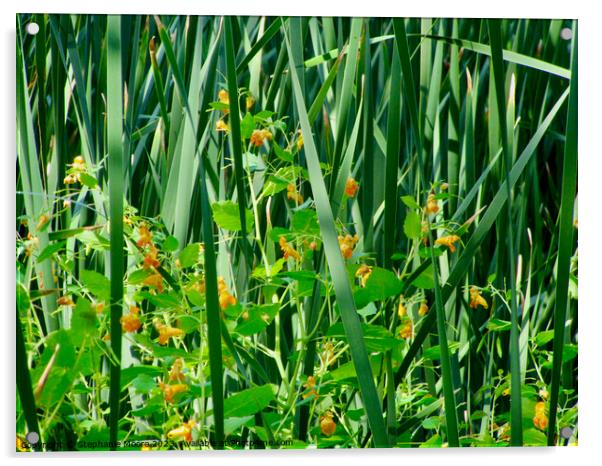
x: 115, y: 148
x: 565, y: 242
x: 338, y: 271
x: 497, y: 65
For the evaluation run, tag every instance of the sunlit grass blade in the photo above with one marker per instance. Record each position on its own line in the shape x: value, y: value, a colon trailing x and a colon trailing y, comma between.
x: 336, y: 264
x: 116, y: 162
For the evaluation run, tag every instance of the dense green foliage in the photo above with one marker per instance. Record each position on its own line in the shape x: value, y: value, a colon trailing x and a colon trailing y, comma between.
x: 281, y: 232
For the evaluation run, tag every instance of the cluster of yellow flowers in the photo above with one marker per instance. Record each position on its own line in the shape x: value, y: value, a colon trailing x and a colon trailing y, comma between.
x: 130, y: 322
x: 351, y: 187
x: 166, y: 332
x: 476, y: 299
x: 327, y: 424
x: 182, y: 432
x: 347, y: 244
x: 540, y: 420
x: 78, y: 167
x: 225, y: 298
x: 363, y: 273
x: 288, y: 250
x: 293, y: 194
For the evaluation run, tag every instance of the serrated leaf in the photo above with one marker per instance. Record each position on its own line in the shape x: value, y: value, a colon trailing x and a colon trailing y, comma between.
x: 98, y: 284
x: 189, y: 256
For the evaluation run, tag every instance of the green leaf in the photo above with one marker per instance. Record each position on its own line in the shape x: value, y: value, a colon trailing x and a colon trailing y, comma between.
x: 410, y: 202
x: 498, y: 325
x: 259, y: 317
x: 412, y: 225
x: 544, y: 337
x: 189, y: 256
x: 170, y: 244
x: 381, y: 284
x: 434, y: 352
x: 144, y: 383
x: 425, y: 280
x: 376, y: 337
x: 226, y: 215
x: 49, y: 251
x: 283, y: 154
x: 130, y: 373
x: 83, y: 322
x: 98, y: 284
x: 249, y: 402
x: 88, y: 180
x: 305, y: 221
x: 247, y: 125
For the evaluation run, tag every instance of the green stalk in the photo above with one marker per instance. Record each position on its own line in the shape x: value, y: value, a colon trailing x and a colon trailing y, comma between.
x: 448, y: 389
x: 565, y: 242
x: 515, y: 390
x: 115, y: 148
x: 338, y: 271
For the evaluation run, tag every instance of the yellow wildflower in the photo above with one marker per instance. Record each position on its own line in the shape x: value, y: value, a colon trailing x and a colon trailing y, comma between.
x: 406, y: 331
x: 184, y: 431
x: 44, y: 219
x: 221, y: 125
x: 448, y: 241
x: 363, y: 273
x: 65, y: 301
x: 310, y: 386
x: 293, y: 195
x: 432, y: 207
x: 259, y: 136
x: 249, y: 102
x: 423, y: 309
x: 299, y: 142
x: 130, y: 322
x: 146, y: 237
x: 540, y: 420
x: 175, y: 373
x: 224, y: 98
x: 166, y: 332
x: 351, y: 187
x: 401, y: 308
x: 347, y: 244
x: 225, y: 298
x: 170, y: 391
x: 288, y: 250
x: 327, y: 425
x: 476, y: 299
x: 155, y: 280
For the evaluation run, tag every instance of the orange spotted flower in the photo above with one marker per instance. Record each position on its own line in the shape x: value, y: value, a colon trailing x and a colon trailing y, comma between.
x: 432, y: 207
x: 448, y: 241
x: 146, y: 237
x: 351, y: 187
x: 310, y: 385
x: 175, y: 373
x: 224, y: 98
x: 155, y: 280
x: 259, y: 136
x: 65, y: 301
x: 347, y: 244
x: 476, y: 299
x: 288, y: 250
x: 166, y: 332
x: 221, y: 125
x: 150, y: 258
x: 184, y: 431
x: 363, y: 273
x: 540, y: 420
x: 406, y: 331
x: 130, y: 322
x: 170, y: 391
x: 327, y: 425
x: 293, y: 195
x: 225, y: 298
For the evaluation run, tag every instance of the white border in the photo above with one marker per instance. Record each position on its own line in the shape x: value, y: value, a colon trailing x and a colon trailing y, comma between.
x: 590, y: 199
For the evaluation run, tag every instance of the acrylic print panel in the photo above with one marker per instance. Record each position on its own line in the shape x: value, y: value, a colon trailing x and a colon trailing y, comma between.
x: 266, y: 232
